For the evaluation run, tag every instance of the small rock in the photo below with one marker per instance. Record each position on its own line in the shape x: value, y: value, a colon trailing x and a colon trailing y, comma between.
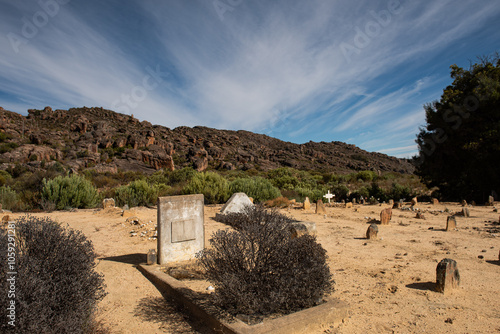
x: 480, y: 257
x: 449, y: 321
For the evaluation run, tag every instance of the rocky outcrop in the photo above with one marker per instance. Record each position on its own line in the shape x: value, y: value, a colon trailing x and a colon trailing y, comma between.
x: 106, y: 141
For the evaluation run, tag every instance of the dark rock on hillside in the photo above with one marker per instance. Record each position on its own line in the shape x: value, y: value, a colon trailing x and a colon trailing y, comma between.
x: 104, y: 140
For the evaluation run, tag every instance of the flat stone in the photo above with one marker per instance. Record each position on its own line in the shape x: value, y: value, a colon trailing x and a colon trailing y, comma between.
x: 372, y: 232
x: 236, y: 203
x: 108, y: 203
x: 181, y: 233
x: 320, y: 207
x: 307, y: 204
x: 451, y: 223
x: 298, y: 229
x: 385, y: 216
x: 447, y: 276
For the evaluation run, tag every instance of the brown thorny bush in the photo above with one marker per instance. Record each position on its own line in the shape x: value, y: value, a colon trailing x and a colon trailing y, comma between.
x: 258, y: 269
x: 56, y: 287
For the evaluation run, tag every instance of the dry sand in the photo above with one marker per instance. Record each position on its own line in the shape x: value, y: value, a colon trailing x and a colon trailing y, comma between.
x: 388, y: 283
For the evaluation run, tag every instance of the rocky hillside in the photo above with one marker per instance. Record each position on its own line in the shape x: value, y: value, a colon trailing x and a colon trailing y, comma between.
x: 103, y: 140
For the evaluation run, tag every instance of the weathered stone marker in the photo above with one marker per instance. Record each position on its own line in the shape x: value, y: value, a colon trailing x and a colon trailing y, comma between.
x: 391, y: 202
x: 298, y: 229
x: 420, y: 215
x: 385, y: 216
x: 447, y: 275
x: 435, y: 201
x: 320, y: 207
x: 348, y: 205
x: 414, y: 201
x: 451, y: 223
x: 464, y: 203
x: 371, y: 232
x: 307, y: 204
x: 236, y: 203
x: 491, y: 200
x: 108, y: 203
x: 181, y: 233
x: 465, y: 212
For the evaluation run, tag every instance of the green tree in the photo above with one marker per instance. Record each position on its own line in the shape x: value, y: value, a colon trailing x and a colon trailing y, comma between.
x: 459, y: 148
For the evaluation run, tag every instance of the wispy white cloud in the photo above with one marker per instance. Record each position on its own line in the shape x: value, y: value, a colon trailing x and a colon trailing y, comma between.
x: 274, y: 67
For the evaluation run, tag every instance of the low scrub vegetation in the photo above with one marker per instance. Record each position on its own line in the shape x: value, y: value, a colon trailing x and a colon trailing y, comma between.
x: 56, y: 286
x: 258, y: 269
x: 54, y: 189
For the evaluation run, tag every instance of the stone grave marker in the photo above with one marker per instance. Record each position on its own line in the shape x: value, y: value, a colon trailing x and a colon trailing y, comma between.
x: 451, y: 223
x: 435, y: 201
x: 329, y: 196
x: 181, y: 233
x: 466, y: 212
x: 391, y: 202
x: 447, y: 275
x: 236, y: 203
x: 108, y: 203
x: 385, y: 216
x: 491, y: 200
x: 463, y: 203
x: 307, y: 204
x: 371, y: 232
x: 348, y: 205
x: 298, y: 229
x: 414, y: 201
x: 353, y: 201
x: 320, y: 207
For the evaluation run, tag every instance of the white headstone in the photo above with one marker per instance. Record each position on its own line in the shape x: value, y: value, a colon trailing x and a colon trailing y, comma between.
x: 329, y: 196
x: 236, y: 203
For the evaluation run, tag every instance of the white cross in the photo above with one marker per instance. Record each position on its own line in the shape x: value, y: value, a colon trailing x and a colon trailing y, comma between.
x: 329, y: 196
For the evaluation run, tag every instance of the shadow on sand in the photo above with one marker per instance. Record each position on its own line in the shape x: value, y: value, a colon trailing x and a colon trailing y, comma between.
x: 422, y: 286
x: 136, y: 258
x: 166, y: 312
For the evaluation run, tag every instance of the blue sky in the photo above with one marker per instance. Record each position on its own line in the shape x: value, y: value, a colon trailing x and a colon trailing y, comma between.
x: 357, y: 71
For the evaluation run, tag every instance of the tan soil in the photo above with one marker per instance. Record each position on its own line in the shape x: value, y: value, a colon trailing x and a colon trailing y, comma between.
x: 388, y: 283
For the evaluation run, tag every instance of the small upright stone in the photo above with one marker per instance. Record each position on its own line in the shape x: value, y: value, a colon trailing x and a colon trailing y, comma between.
x: 464, y: 202
x: 420, y: 215
x: 396, y: 205
x: 320, y: 207
x: 447, y: 276
x: 435, y: 201
x: 307, y: 204
x: 353, y: 201
x: 371, y: 232
x: 348, y: 205
x: 385, y: 216
x: 414, y: 201
x: 108, y: 203
x: 451, y: 223
x: 465, y: 212
x: 491, y: 200
x: 5, y: 218
x: 391, y: 202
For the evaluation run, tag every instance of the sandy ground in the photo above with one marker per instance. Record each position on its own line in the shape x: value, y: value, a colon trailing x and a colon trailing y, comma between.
x: 388, y: 283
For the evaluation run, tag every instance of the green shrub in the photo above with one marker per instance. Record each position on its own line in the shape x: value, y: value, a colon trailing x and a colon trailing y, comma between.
x: 365, y: 175
x: 56, y: 286
x: 313, y: 194
x: 258, y: 188
x: 341, y: 192
x: 70, y: 191
x: 361, y: 192
x: 398, y: 192
x: 5, y: 178
x: 137, y: 193
x: 214, y: 187
x: 8, y: 198
x: 258, y: 269
x: 283, y: 178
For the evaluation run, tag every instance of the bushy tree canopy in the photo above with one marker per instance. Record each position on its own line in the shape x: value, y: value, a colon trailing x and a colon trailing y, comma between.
x: 459, y: 149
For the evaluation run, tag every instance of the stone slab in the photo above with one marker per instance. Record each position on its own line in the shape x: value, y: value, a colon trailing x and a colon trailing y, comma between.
x: 311, y: 320
x: 236, y: 203
x: 181, y: 233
